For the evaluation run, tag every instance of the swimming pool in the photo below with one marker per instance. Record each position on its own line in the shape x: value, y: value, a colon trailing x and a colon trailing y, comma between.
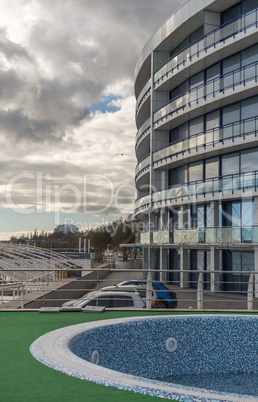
x: 140, y: 354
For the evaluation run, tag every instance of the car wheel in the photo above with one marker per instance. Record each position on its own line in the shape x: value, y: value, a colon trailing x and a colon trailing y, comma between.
x: 162, y: 304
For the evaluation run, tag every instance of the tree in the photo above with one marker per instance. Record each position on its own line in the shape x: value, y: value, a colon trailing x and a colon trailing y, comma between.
x: 99, y: 240
x: 123, y: 234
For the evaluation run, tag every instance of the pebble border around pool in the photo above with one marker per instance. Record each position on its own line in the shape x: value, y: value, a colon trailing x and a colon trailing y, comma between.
x: 53, y: 350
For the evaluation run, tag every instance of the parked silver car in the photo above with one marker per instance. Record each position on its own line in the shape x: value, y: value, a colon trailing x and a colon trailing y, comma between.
x: 139, y: 288
x: 108, y: 299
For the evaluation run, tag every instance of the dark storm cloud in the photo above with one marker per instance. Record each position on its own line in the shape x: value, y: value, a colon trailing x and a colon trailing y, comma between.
x: 17, y: 126
x: 10, y: 49
x: 57, y: 59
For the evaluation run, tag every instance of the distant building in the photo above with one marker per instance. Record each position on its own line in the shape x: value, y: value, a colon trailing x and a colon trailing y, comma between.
x: 197, y: 147
x: 66, y: 229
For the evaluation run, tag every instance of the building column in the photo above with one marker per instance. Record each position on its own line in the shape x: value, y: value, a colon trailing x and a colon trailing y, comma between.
x: 184, y: 265
x: 214, y: 266
x: 256, y: 272
x: 214, y: 216
x: 256, y: 211
x: 163, y: 263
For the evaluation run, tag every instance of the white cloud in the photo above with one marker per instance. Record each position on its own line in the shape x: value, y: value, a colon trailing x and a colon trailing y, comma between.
x: 57, y: 59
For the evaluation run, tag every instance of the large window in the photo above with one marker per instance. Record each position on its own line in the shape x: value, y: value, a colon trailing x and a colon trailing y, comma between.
x: 249, y: 160
x: 230, y: 164
x: 227, y: 66
x: 187, y: 41
x: 238, y: 263
x: 238, y: 9
x: 212, y: 168
x: 195, y: 171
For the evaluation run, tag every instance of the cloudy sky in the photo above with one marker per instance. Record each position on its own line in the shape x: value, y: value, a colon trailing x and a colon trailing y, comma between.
x: 67, y: 126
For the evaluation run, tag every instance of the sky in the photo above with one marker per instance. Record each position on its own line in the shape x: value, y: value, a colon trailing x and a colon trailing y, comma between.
x: 67, y: 106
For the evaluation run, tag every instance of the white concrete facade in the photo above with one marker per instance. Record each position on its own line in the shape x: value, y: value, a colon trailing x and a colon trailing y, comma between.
x: 197, y: 146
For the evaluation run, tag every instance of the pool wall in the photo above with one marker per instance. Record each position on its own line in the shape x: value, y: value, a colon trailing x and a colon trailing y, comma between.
x: 210, y: 345
x: 129, y: 353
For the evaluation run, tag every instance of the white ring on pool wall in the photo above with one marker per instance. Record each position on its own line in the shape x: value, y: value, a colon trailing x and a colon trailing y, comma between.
x: 171, y: 344
x: 95, y: 357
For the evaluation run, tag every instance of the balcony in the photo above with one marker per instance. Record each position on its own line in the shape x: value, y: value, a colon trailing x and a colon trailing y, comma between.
x: 143, y: 131
x: 200, y: 48
x: 144, y: 94
x: 224, y: 236
x: 228, y: 183
x: 208, y: 91
x: 142, y: 167
x: 142, y: 203
x: 244, y: 129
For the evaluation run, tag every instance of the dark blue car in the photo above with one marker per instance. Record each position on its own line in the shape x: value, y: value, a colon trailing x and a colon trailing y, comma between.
x: 166, y: 297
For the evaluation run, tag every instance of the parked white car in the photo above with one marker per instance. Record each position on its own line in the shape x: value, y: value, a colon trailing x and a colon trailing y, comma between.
x: 141, y: 289
x: 108, y: 299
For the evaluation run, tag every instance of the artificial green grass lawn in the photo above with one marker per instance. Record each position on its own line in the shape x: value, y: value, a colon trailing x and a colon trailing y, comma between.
x: 23, y: 378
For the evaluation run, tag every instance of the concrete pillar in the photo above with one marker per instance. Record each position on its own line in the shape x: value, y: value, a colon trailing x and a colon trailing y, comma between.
x: 214, y: 266
x: 256, y: 210
x: 256, y: 271
x: 163, y: 264
x: 184, y: 265
x: 214, y: 216
x: 164, y: 219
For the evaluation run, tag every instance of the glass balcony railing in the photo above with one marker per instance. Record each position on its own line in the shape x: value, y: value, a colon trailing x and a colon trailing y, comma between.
x: 220, y: 84
x: 143, y: 130
x: 200, y: 47
x: 161, y: 237
x: 142, y: 203
x: 211, y: 137
x: 143, y: 165
x: 216, y: 235
x: 145, y: 92
x: 234, y: 182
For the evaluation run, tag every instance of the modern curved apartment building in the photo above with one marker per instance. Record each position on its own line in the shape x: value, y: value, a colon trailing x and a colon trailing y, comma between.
x: 197, y: 145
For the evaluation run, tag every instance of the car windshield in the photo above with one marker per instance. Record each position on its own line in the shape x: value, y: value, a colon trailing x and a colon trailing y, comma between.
x: 84, y: 300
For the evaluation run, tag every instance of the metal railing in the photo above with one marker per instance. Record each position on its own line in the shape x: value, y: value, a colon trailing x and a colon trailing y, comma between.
x: 222, y: 134
x: 203, y: 289
x: 209, y: 235
x: 211, y: 40
x: 143, y: 165
x: 223, y: 184
x: 145, y: 92
x: 211, y: 88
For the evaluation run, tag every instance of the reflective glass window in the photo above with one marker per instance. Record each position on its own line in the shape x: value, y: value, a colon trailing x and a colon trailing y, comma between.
x: 231, y: 13
x: 195, y: 171
x: 249, y: 160
x: 249, y: 107
x: 208, y: 216
x: 249, y: 55
x: 182, y: 174
x: 248, y: 5
x: 200, y: 216
x: 247, y: 213
x: 183, y: 131
x: 231, y: 113
x: 231, y: 63
x: 196, y: 80
x: 230, y: 164
x: 196, y: 126
x: 212, y: 168
x: 213, y: 72
x: 212, y: 120
x: 178, y: 133
x: 178, y: 176
x: 196, y: 34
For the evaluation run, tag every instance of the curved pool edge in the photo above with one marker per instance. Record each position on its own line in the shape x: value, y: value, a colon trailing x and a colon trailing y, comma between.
x: 52, y: 349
